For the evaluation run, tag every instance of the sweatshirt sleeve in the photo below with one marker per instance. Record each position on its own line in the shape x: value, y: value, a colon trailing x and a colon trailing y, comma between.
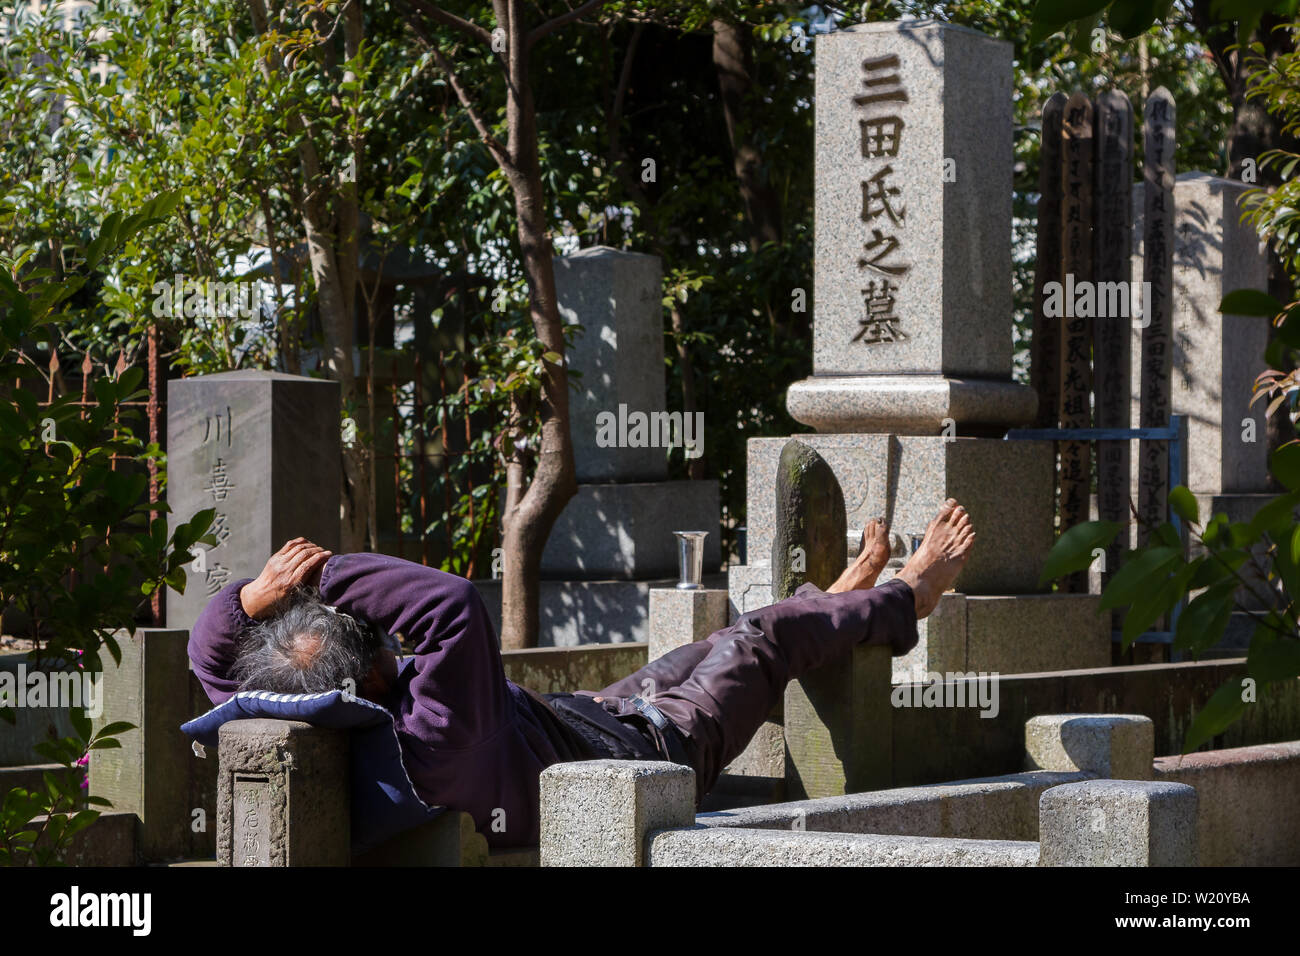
x: 457, y: 695
x: 214, y: 640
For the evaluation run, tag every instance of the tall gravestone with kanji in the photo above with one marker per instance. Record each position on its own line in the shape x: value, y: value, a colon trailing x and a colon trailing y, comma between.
x: 262, y: 449
x: 912, y: 389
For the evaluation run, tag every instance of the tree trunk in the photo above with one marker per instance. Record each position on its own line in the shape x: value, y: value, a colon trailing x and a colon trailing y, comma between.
x: 530, y: 517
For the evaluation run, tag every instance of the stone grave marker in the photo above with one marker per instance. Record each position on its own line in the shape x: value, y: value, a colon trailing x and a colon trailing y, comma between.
x: 262, y: 449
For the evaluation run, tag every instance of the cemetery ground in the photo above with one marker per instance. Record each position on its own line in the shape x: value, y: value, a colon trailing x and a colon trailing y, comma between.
x: 1101, y: 715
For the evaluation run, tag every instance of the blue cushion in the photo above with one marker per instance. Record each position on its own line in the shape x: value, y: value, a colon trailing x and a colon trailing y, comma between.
x: 384, y: 802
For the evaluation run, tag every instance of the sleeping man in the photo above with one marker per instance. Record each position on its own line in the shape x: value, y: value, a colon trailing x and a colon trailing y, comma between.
x: 313, y: 621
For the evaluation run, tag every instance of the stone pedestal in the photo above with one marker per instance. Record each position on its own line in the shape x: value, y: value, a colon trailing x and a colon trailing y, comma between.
x: 283, y: 797
x: 1118, y: 823
x: 262, y: 449
x: 680, y: 616
x: 599, y: 812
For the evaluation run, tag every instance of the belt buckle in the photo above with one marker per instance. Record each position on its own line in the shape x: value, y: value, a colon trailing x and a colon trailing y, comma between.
x: 653, y: 713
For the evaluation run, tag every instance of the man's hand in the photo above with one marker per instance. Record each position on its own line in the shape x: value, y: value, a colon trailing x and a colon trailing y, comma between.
x: 298, y: 562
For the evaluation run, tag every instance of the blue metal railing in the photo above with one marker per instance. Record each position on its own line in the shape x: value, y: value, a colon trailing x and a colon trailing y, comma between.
x: 1176, y: 435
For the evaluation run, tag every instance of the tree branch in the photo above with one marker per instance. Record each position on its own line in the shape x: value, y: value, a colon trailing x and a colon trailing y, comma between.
x: 497, y: 148
x: 550, y: 26
x: 439, y: 15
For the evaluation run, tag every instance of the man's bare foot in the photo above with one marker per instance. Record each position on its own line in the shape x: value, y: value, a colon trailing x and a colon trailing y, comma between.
x: 871, y: 560
x: 943, y: 553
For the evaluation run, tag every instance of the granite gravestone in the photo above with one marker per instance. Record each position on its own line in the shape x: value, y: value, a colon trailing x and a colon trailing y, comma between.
x: 912, y: 214
x: 912, y: 389
x: 263, y: 450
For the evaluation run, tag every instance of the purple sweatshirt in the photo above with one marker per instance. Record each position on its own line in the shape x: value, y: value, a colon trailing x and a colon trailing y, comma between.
x: 470, y: 739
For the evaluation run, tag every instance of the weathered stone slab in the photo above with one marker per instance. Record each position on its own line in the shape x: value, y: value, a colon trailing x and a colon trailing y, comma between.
x: 989, y: 808
x: 264, y: 450
x: 599, y: 812
x: 1247, y: 814
x: 1117, y: 746
x: 837, y: 726
x: 283, y: 795
x: 1118, y: 823
x: 149, y: 775
x: 1023, y: 633
x: 894, y: 103
x: 809, y: 543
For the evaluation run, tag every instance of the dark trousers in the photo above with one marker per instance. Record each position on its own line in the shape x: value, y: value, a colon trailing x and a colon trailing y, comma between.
x: 719, y: 691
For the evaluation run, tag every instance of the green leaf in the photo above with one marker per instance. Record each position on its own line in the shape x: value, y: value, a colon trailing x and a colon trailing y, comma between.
x: 1132, y: 18
x: 1250, y: 302
x: 1222, y: 710
x: 1277, y: 659
x: 1203, y: 621
x: 1154, y: 604
x: 1276, y: 517
x: 1184, y: 505
x: 115, y: 728
x: 1285, y: 465
x: 1142, y: 570
x: 1074, y: 549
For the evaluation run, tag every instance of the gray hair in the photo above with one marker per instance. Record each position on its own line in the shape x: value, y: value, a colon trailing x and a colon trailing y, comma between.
x: 307, y: 647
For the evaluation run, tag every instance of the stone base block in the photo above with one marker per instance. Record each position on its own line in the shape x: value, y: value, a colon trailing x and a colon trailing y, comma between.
x: 599, y: 812
x: 1007, y: 634
x: 1118, y: 823
x: 679, y: 617
x: 1117, y: 746
x: 907, y: 404
x: 626, y: 530
x: 1006, y: 487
